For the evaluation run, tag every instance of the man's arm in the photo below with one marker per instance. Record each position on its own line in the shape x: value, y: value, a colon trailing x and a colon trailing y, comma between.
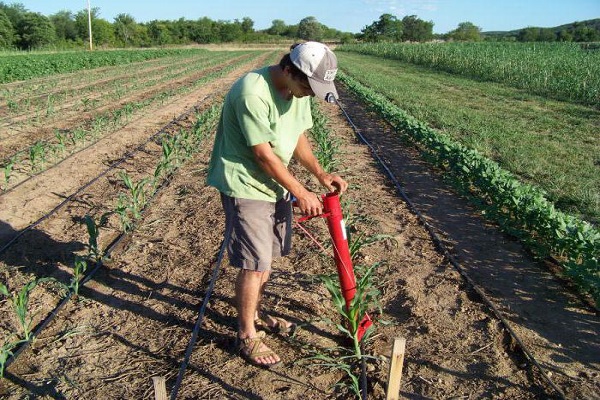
x: 307, y: 201
x: 305, y: 156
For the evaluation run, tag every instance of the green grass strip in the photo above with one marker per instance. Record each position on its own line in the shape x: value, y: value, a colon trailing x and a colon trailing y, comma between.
x: 563, y: 71
x: 519, y: 208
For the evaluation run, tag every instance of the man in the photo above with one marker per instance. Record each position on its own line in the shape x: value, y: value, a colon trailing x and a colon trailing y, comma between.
x: 262, y: 125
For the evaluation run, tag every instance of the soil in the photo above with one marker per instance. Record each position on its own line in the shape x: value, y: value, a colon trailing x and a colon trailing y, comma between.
x: 134, y: 319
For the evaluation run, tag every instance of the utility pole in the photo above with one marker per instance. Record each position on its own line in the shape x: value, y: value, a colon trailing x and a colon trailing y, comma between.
x: 90, y: 23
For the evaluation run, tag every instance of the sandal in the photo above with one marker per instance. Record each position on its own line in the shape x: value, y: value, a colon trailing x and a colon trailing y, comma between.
x: 249, y: 350
x: 281, y: 326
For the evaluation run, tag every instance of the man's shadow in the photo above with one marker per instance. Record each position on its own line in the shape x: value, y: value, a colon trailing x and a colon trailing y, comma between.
x: 35, y: 252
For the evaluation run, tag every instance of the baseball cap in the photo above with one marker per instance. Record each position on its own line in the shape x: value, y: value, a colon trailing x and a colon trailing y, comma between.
x: 319, y: 63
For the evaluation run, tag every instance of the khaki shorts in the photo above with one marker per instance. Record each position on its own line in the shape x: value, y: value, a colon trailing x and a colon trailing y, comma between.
x: 260, y: 231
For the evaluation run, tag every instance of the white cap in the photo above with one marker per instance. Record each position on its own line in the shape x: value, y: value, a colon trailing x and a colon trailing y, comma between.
x: 319, y: 63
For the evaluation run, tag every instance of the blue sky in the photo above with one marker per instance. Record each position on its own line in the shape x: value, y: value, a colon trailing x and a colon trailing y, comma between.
x: 344, y: 15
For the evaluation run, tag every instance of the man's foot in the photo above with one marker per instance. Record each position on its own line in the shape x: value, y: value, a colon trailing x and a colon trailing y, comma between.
x: 254, y: 351
x: 275, y: 324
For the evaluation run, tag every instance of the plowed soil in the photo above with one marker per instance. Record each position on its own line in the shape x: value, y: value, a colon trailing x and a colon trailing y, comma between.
x: 134, y: 319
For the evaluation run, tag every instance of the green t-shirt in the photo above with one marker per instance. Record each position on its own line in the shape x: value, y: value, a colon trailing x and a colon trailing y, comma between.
x: 254, y: 113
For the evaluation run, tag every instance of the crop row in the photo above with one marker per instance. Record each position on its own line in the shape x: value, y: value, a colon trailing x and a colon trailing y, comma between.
x: 558, y: 70
x: 35, y: 158
x: 176, y: 149
x: 38, y: 103
x: 519, y: 208
x: 27, y: 66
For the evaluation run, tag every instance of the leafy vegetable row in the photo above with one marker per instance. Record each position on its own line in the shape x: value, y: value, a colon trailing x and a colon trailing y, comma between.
x: 519, y: 208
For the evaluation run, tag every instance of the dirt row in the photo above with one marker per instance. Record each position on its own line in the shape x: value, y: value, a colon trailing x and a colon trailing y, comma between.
x: 134, y: 320
x: 63, y: 120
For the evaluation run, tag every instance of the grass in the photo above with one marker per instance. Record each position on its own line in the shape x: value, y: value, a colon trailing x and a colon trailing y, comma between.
x: 551, y: 144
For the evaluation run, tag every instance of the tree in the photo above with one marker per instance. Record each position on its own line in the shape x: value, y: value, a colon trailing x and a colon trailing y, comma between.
x: 15, y: 12
x: 64, y: 25
x: 205, y: 30
x: 247, y: 25
x: 35, y: 31
x: 159, y: 32
x: 387, y: 28
x: 125, y: 29
x: 528, y: 34
x: 278, y: 27
x: 415, y: 29
x: 7, y: 32
x: 310, y: 29
x: 230, y: 31
x: 466, y: 32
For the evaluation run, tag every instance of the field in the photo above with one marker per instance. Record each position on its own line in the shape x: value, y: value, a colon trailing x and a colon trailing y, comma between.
x: 110, y: 241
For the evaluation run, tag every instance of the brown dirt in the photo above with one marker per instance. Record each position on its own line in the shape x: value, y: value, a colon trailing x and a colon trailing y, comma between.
x: 134, y: 320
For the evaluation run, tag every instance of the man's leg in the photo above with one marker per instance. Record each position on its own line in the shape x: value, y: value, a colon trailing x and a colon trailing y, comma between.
x: 248, y: 291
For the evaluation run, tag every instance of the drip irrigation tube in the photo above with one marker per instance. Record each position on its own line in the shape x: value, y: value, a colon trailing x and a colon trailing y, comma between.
x: 451, y: 258
x: 127, y: 156
x: 196, y: 330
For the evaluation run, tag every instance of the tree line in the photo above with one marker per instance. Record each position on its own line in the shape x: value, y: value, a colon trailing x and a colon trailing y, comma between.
x: 25, y: 30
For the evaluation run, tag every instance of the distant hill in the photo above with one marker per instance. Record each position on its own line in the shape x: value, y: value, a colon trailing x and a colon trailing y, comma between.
x: 572, y: 27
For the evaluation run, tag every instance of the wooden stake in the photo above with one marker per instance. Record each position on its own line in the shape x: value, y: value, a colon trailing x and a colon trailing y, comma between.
x: 395, y: 372
x: 160, y: 388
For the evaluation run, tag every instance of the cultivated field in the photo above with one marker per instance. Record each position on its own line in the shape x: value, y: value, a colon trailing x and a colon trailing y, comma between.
x: 110, y: 241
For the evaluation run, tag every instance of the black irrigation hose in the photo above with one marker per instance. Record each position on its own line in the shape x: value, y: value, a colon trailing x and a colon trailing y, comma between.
x: 451, y: 258
x: 196, y: 330
x: 128, y: 155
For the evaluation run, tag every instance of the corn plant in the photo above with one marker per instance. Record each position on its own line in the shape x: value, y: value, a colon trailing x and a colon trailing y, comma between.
x: 37, y: 155
x: 122, y: 210
x: 94, y: 252
x: 79, y: 269
x: 6, y: 351
x: 8, y: 168
x: 20, y: 303
x: 137, y: 194
x: 61, y: 141
x: 365, y: 298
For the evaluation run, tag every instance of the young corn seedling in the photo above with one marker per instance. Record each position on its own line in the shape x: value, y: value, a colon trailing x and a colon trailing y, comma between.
x: 6, y: 352
x: 8, y: 168
x: 122, y: 210
x: 37, y: 155
x: 61, y: 145
x: 93, y: 229
x: 137, y: 194
x: 79, y: 269
x: 20, y: 303
x: 365, y: 298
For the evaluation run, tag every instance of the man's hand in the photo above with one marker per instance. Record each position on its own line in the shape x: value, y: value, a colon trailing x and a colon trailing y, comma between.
x: 334, y: 183
x: 309, y: 204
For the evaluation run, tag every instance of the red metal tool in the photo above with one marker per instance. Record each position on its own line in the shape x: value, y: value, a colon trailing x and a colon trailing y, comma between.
x: 332, y: 210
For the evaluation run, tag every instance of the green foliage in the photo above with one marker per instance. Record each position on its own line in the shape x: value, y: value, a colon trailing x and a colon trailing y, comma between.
x: 35, y: 31
x: 22, y: 67
x: 310, y: 29
x: 387, y: 28
x: 466, y: 32
x: 20, y: 302
x: 415, y: 29
x: 519, y: 208
x: 326, y: 147
x: 558, y: 70
x: 7, y: 32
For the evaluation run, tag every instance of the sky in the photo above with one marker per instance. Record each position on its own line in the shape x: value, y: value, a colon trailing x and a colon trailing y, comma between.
x: 344, y: 15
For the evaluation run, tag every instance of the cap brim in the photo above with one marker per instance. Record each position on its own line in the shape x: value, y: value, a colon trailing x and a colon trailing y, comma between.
x: 322, y: 89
